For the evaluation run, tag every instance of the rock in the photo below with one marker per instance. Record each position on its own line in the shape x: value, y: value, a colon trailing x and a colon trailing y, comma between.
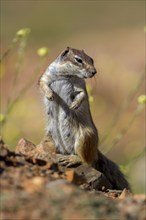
x: 125, y: 193
x: 74, y: 177
x: 93, y: 177
x: 24, y: 147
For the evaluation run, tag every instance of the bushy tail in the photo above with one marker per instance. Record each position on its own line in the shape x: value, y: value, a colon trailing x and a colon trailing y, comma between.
x: 112, y: 172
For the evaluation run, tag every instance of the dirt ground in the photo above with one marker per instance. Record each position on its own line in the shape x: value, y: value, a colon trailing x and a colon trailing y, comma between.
x: 34, y: 186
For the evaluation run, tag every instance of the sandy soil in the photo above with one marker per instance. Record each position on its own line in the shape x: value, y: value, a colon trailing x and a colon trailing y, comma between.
x: 36, y: 187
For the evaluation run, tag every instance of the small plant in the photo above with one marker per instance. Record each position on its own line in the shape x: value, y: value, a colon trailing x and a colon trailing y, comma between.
x: 20, y: 42
x: 141, y: 103
x: 124, y: 107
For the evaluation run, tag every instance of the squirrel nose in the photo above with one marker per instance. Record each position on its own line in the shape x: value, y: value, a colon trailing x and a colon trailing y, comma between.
x: 94, y: 72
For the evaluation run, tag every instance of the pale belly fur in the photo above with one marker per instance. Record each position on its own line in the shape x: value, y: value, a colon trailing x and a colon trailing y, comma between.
x: 63, y: 123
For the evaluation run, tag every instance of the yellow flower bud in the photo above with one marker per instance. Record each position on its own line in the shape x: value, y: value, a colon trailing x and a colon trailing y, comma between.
x: 91, y: 99
x: 43, y: 51
x: 142, y: 99
x: 2, y: 118
x: 23, y: 32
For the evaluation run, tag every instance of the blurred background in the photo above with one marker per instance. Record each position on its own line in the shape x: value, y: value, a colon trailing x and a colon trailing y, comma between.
x: 112, y: 33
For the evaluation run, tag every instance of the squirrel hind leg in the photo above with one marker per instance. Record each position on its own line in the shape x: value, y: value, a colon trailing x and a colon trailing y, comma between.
x: 86, y: 146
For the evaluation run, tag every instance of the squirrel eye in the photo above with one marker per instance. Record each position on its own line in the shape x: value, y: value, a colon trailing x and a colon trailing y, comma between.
x: 79, y: 60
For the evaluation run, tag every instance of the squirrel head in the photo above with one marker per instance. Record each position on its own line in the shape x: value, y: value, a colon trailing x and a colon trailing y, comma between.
x: 73, y: 62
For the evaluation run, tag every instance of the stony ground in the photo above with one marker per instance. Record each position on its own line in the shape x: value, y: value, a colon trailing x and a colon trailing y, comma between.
x: 35, y: 187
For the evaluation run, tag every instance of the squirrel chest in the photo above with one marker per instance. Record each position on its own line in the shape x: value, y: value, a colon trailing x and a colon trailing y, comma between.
x: 66, y: 125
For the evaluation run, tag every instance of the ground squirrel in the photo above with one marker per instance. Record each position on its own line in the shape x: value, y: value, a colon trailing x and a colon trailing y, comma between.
x: 70, y: 123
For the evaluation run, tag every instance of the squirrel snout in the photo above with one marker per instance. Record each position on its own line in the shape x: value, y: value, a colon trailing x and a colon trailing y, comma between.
x: 94, y: 72
x: 91, y: 72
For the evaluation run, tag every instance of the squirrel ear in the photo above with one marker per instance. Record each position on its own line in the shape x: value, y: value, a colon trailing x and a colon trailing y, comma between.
x: 83, y: 51
x: 65, y: 51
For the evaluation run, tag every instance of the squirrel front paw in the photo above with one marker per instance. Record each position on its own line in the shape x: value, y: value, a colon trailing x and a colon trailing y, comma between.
x: 74, y: 105
x: 50, y: 95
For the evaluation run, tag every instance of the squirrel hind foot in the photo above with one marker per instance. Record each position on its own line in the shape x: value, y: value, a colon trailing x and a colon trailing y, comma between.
x: 69, y: 160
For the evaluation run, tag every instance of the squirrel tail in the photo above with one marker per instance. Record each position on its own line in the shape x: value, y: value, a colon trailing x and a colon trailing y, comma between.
x: 112, y: 172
